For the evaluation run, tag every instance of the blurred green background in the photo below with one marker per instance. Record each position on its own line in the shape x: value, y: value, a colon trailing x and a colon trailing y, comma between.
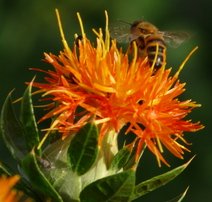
x: 29, y: 28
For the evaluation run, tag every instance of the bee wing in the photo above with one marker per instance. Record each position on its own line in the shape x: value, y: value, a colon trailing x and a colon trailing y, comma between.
x: 174, y: 39
x: 121, y: 32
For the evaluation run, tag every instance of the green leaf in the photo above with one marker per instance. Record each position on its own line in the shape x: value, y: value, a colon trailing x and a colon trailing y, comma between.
x: 158, y: 181
x: 28, y: 119
x: 12, y: 131
x: 4, y: 170
x: 115, y: 188
x: 133, y: 162
x: 180, y: 197
x: 37, y: 179
x: 65, y: 181
x: 83, y: 149
x: 120, y: 159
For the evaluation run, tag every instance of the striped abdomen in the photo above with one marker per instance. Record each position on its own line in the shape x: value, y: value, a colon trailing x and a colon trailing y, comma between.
x: 159, y: 56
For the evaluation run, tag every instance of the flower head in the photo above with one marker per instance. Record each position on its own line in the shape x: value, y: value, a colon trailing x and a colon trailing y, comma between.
x: 100, y: 82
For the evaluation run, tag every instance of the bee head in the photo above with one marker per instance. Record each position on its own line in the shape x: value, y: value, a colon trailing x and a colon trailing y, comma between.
x: 143, y: 27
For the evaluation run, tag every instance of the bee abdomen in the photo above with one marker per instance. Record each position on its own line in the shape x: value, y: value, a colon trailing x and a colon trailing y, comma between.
x: 159, y: 56
x: 159, y: 61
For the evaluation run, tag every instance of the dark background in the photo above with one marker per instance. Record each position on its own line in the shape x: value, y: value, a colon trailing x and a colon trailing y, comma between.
x: 29, y: 28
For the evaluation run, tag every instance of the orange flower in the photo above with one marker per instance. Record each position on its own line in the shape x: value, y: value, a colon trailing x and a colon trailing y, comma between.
x: 100, y: 82
x: 6, y: 192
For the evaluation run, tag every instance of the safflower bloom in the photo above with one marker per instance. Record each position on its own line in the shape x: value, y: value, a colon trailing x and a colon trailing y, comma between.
x: 100, y: 82
x: 6, y: 192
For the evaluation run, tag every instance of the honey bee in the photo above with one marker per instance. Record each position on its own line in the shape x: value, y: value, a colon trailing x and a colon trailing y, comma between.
x: 150, y: 41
